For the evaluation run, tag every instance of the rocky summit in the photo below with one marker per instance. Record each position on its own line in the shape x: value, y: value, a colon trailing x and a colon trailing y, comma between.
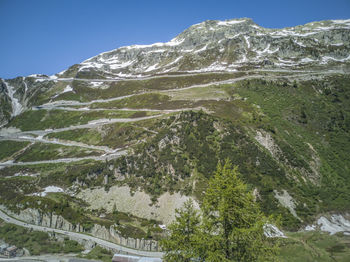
x: 112, y: 146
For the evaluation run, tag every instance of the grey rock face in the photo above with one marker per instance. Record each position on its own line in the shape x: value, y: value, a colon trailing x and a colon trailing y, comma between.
x: 228, y: 46
x: 36, y: 217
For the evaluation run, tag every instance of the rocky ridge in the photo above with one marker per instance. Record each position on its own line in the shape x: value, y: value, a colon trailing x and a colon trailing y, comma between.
x: 228, y: 46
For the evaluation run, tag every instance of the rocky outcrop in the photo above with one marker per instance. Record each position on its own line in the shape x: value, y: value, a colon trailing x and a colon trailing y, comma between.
x: 37, y: 217
x: 137, y: 203
x: 112, y: 235
x: 226, y: 46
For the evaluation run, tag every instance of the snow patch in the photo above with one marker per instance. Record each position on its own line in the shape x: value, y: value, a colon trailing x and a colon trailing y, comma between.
x: 151, y: 68
x: 310, y: 228
x: 201, y: 50
x: 325, y: 59
x: 337, y: 223
x: 121, y: 65
x: 307, y: 60
x: 299, y: 43
x: 96, y: 84
x: 230, y: 22
x: 246, y: 38
x: 68, y: 88
x: 49, y: 189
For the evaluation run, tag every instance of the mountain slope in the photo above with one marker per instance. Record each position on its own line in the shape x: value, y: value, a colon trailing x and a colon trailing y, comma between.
x: 140, y: 123
x: 228, y: 46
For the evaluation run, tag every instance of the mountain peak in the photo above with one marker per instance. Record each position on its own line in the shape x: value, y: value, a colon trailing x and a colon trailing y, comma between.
x: 228, y: 45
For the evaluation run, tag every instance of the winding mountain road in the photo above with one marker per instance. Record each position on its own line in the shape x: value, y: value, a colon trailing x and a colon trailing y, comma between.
x: 98, y: 241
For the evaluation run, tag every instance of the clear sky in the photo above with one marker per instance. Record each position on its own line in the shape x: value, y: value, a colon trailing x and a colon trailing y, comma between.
x: 47, y: 36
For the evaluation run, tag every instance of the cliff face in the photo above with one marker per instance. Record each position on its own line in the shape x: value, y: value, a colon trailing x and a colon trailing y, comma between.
x: 36, y: 217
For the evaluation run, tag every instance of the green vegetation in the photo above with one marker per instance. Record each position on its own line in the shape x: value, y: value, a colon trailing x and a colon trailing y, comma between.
x: 84, y: 91
x: 8, y: 148
x: 99, y: 253
x: 310, y: 122
x: 230, y: 228
x: 314, y: 246
x: 115, y: 135
x: 150, y: 100
x: 43, y: 151
x: 307, y: 123
x: 35, y: 241
x: 200, y: 93
x: 44, y: 119
x: 191, y: 144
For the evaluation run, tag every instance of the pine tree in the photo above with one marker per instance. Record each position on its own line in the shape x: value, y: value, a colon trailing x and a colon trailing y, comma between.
x: 230, y: 228
x: 182, y: 243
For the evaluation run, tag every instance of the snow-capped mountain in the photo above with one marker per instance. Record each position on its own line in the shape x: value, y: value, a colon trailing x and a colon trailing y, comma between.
x: 227, y: 46
x: 210, y: 46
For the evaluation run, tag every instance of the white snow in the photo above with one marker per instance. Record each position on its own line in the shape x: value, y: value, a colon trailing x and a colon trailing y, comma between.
x: 121, y: 65
x: 255, y: 26
x: 25, y: 85
x: 175, y: 61
x: 246, y: 38
x: 272, y: 231
x: 156, y: 51
x: 347, y: 21
x: 306, y: 60
x: 310, y: 228
x: 173, y: 42
x: 201, y: 50
x: 266, y: 50
x: 53, y: 77
x: 162, y: 226
x: 68, y: 88
x: 337, y: 223
x: 49, y: 189
x: 299, y: 43
x: 325, y: 59
x: 337, y: 44
x: 34, y: 75
x: 151, y: 68
x: 90, y: 65
x: 232, y: 36
x: 96, y: 84
x: 285, y: 32
x: 213, y: 67
x: 231, y: 22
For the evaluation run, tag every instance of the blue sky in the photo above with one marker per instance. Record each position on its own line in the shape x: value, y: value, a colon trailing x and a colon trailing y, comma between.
x: 48, y: 36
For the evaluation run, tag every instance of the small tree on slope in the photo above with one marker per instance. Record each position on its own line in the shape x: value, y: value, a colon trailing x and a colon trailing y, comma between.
x: 230, y: 228
x: 181, y: 245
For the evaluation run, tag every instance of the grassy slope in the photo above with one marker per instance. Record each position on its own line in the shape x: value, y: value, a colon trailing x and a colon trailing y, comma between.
x: 35, y: 241
x: 314, y: 246
x: 42, y: 151
x: 8, y: 148
x: 43, y: 119
x: 314, y: 112
x: 114, y: 135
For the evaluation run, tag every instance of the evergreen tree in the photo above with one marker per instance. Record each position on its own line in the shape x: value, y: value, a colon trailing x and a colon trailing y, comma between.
x: 182, y: 242
x: 230, y: 228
